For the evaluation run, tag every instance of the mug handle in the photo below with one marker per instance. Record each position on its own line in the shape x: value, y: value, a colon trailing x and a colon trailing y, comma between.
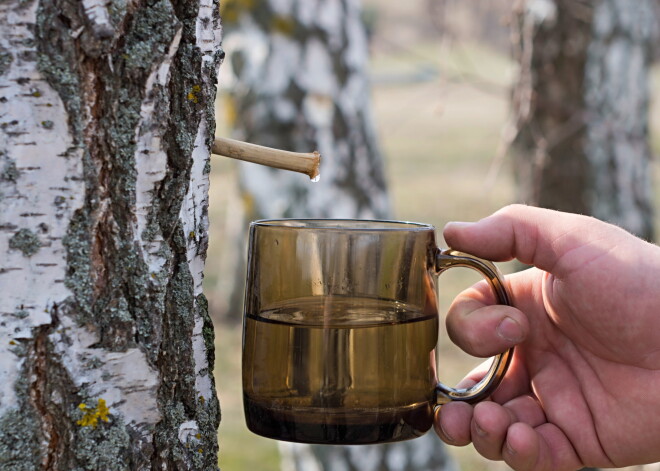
x: 449, y: 258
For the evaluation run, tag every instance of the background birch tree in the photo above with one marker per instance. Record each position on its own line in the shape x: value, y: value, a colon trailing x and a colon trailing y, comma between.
x: 106, y: 348
x: 300, y: 83
x: 581, y: 108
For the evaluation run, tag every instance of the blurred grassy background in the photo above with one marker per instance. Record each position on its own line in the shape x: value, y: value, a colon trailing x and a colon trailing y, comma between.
x: 440, y: 106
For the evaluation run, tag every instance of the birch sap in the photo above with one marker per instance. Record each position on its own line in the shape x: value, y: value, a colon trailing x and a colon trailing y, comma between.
x: 332, y: 369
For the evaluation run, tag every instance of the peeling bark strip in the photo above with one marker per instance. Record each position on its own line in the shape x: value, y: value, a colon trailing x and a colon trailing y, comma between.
x: 106, y: 118
x: 581, y: 105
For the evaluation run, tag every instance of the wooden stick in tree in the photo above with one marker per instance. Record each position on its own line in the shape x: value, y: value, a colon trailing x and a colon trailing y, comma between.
x: 276, y: 158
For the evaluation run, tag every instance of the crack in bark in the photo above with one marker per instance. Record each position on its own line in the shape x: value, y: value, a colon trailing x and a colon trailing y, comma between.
x: 38, y: 395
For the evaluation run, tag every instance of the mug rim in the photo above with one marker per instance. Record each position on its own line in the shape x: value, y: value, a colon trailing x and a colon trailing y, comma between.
x: 344, y: 224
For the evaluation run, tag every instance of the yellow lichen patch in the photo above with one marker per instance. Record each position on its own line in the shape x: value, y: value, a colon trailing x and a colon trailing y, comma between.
x: 192, y: 94
x: 92, y: 415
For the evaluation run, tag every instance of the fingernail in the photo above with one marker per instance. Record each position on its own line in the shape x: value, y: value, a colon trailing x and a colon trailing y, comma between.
x: 510, y: 330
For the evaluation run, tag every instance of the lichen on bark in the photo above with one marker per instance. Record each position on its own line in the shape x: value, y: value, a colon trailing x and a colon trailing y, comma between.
x: 26, y: 241
x: 20, y: 440
x: 9, y: 173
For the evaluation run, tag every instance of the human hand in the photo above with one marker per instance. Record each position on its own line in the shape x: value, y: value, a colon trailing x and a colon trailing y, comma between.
x: 583, y: 387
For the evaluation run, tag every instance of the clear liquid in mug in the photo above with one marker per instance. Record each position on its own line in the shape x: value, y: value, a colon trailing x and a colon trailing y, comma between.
x: 336, y: 370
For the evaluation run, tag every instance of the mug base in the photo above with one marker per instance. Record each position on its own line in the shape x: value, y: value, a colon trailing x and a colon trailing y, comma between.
x: 338, y: 426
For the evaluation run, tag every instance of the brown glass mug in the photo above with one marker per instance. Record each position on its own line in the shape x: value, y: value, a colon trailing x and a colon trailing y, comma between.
x: 340, y: 330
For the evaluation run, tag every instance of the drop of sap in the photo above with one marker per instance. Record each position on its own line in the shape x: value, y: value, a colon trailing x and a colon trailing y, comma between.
x: 316, y: 178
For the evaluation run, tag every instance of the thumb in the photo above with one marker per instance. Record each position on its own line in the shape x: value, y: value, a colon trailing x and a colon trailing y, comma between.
x: 535, y: 236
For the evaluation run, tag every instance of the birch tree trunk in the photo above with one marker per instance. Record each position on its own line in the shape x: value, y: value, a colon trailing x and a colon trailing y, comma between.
x: 581, y: 105
x: 300, y: 83
x: 106, y: 350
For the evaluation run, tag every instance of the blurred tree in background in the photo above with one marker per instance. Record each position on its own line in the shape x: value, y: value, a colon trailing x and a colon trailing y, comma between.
x: 581, y: 108
x: 300, y: 83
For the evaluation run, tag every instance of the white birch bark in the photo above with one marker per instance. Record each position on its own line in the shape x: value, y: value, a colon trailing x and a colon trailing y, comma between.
x: 105, y: 124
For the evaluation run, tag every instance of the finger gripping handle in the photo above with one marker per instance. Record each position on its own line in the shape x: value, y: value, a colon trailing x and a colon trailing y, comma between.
x: 446, y: 259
